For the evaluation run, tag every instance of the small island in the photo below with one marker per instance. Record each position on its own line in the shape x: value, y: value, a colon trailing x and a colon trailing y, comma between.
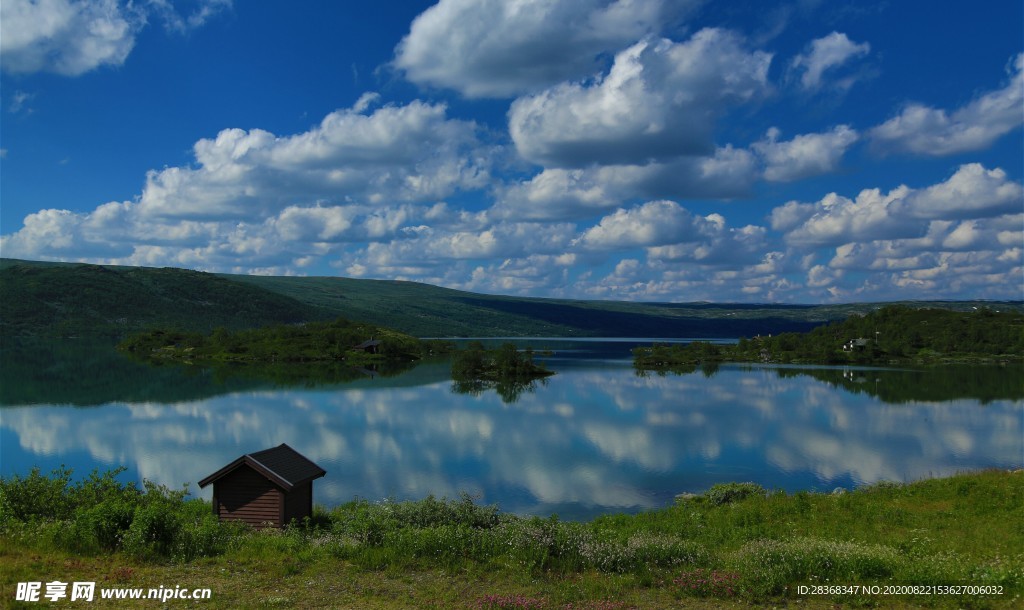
x: 886, y: 336
x: 506, y: 369
x: 341, y: 340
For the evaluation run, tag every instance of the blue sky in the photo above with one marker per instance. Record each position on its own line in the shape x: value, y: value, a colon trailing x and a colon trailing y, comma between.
x: 658, y: 150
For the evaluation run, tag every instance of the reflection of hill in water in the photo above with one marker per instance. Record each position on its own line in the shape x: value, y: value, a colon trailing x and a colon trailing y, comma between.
x: 981, y: 383
x: 85, y: 373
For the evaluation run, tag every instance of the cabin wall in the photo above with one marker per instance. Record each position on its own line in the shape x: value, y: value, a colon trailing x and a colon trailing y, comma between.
x: 298, y: 504
x: 246, y: 495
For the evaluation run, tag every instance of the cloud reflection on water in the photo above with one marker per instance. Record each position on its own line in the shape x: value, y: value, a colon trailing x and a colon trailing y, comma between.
x: 592, y: 440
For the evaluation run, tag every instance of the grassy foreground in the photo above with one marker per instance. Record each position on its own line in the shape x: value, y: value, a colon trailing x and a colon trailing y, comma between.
x: 734, y: 546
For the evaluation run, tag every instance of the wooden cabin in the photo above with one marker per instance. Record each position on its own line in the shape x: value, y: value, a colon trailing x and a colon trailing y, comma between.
x: 266, y: 488
x: 370, y: 346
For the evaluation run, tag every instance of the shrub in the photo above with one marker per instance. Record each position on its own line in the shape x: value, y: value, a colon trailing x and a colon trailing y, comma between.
x: 152, y: 531
x: 37, y: 496
x: 201, y: 534
x: 107, y: 521
x: 642, y: 551
x: 768, y: 566
x: 727, y: 493
x: 431, y: 512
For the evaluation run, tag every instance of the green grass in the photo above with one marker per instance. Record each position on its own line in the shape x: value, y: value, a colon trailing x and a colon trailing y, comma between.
x: 735, y: 545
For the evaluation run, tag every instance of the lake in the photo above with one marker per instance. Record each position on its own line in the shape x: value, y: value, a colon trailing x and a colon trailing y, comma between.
x: 594, y: 438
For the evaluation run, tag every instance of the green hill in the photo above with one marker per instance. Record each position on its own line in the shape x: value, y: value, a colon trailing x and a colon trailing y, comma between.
x: 893, y: 334
x: 66, y: 299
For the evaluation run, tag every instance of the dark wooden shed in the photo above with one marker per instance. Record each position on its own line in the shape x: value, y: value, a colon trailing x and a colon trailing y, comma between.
x: 370, y: 346
x: 269, y: 487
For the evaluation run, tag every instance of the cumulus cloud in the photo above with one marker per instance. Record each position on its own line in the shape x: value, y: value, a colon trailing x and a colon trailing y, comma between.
x: 397, y: 153
x: 763, y: 279
x: 902, y: 269
x: 525, y: 275
x: 962, y: 236
x: 972, y: 191
x: 654, y: 223
x: 824, y: 55
x: 836, y: 219
x: 559, y: 193
x: 72, y: 37
x: 659, y: 100
x: 447, y: 254
x: 671, y: 233
x: 505, y: 48
x: 270, y: 200
x: 65, y: 36
x: 805, y: 155
x: 718, y: 245
x: 923, y: 130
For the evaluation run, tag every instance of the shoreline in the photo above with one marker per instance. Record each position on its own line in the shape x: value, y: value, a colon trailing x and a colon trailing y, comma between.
x: 735, y: 545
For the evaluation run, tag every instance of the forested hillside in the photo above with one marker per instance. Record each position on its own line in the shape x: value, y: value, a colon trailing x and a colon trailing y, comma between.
x: 78, y: 300
x: 97, y: 301
x: 890, y: 334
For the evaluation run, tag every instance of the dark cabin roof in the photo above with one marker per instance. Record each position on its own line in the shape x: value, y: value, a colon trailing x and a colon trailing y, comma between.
x: 283, y: 465
x: 368, y: 344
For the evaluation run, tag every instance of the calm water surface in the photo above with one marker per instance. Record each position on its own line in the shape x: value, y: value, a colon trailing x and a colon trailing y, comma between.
x: 595, y: 438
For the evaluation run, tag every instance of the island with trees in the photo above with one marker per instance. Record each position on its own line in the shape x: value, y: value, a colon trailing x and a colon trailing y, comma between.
x: 888, y: 335
x: 326, y: 350
x: 506, y: 369
x: 341, y: 340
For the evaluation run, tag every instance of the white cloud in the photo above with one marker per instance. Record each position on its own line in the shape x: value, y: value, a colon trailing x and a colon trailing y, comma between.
x: 718, y: 245
x: 72, y: 37
x: 805, y: 155
x: 268, y: 200
x: 558, y: 193
x: 923, y: 130
x: 655, y: 223
x: 505, y: 48
x: 397, y: 153
x: 972, y: 192
x: 960, y: 237
x: 824, y: 55
x: 19, y: 102
x: 525, y: 275
x: 836, y: 219
x: 670, y: 232
x: 762, y: 279
x: 65, y: 36
x: 441, y: 251
x: 659, y: 101
x: 897, y: 272
x: 821, y: 276
x: 176, y: 22
x: 997, y: 240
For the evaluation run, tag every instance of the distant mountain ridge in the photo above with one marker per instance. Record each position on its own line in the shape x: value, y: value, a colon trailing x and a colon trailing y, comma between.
x: 79, y: 300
